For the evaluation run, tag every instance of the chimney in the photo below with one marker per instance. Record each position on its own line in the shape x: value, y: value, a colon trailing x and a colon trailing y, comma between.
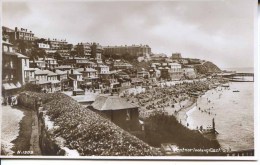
x: 16, y: 28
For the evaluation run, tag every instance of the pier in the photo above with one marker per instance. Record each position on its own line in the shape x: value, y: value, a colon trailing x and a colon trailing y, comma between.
x: 239, y: 77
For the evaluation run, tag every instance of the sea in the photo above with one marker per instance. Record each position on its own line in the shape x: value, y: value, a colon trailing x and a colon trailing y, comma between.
x: 233, y: 111
x: 241, y: 70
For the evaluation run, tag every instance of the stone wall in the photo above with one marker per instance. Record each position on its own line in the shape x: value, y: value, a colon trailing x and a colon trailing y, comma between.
x: 42, y: 141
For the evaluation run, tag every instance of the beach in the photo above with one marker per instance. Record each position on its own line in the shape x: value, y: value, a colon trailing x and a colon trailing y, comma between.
x: 173, y: 98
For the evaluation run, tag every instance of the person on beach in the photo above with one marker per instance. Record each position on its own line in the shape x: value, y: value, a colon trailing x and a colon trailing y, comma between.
x: 9, y: 100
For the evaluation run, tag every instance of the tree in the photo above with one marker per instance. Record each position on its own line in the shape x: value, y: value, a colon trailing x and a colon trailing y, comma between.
x: 31, y: 87
x: 36, y: 53
x: 57, y: 56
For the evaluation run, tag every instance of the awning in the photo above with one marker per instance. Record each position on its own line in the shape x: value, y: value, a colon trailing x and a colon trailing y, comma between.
x: 18, y: 84
x: 9, y: 86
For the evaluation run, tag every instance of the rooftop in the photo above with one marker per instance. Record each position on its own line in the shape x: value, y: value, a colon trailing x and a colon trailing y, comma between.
x: 21, y: 55
x: 64, y: 66
x: 6, y: 43
x: 59, y: 72
x: 74, y: 72
x: 41, y: 59
x: 50, y: 73
x: 86, y: 70
x: 39, y: 71
x: 105, y: 102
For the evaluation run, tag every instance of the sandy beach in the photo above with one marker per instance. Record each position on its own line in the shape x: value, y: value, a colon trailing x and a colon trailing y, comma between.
x: 11, y: 118
x: 182, y: 115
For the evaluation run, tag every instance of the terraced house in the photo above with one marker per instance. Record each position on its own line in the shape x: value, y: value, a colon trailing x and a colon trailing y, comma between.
x: 15, y: 70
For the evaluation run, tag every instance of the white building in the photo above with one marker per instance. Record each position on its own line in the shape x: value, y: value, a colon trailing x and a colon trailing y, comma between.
x: 175, y: 71
x: 50, y: 63
x: 43, y: 46
x: 103, y: 69
x: 189, y: 73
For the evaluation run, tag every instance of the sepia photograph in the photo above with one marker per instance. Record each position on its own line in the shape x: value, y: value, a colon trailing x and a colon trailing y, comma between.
x: 173, y: 80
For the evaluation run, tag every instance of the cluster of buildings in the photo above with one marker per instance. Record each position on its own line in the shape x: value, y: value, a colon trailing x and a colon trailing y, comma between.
x: 133, y: 50
x: 82, y: 65
x: 172, y: 71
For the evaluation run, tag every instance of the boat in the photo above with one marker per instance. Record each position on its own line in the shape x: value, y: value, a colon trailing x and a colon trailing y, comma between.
x: 236, y: 91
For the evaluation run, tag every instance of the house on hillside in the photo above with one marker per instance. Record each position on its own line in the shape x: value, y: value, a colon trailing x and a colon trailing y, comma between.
x: 53, y: 79
x: 15, y: 70
x: 118, y: 110
x: 75, y: 79
x: 42, y: 79
x: 63, y: 78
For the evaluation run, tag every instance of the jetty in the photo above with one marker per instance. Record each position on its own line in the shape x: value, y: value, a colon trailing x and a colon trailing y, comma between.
x: 239, y: 77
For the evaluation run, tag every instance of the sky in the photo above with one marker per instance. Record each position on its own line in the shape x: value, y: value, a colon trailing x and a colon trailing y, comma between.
x: 221, y: 31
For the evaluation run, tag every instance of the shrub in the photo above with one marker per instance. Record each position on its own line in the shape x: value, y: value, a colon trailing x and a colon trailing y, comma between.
x: 88, y: 132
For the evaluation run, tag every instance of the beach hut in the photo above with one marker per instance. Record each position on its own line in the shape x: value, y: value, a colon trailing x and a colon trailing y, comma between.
x: 118, y: 110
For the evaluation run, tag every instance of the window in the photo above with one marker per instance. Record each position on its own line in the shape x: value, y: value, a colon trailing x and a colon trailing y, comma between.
x: 5, y: 48
x: 25, y: 62
x: 128, y: 115
x: 11, y: 63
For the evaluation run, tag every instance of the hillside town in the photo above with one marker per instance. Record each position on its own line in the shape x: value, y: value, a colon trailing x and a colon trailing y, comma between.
x: 56, y: 65
x: 125, y: 84
x: 155, y: 80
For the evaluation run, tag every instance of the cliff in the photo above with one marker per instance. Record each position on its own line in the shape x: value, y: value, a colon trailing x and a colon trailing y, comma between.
x: 206, y: 68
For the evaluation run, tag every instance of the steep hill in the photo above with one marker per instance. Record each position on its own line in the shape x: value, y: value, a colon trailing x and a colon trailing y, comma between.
x: 207, y: 67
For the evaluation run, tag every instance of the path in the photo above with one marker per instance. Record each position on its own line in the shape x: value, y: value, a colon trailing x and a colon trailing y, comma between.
x: 20, y: 131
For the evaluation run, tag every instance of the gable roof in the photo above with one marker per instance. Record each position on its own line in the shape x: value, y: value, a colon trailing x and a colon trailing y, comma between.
x: 39, y: 71
x: 105, y: 102
x: 50, y: 73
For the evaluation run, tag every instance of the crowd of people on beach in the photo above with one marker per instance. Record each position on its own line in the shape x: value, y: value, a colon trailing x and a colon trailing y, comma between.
x: 159, y: 98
